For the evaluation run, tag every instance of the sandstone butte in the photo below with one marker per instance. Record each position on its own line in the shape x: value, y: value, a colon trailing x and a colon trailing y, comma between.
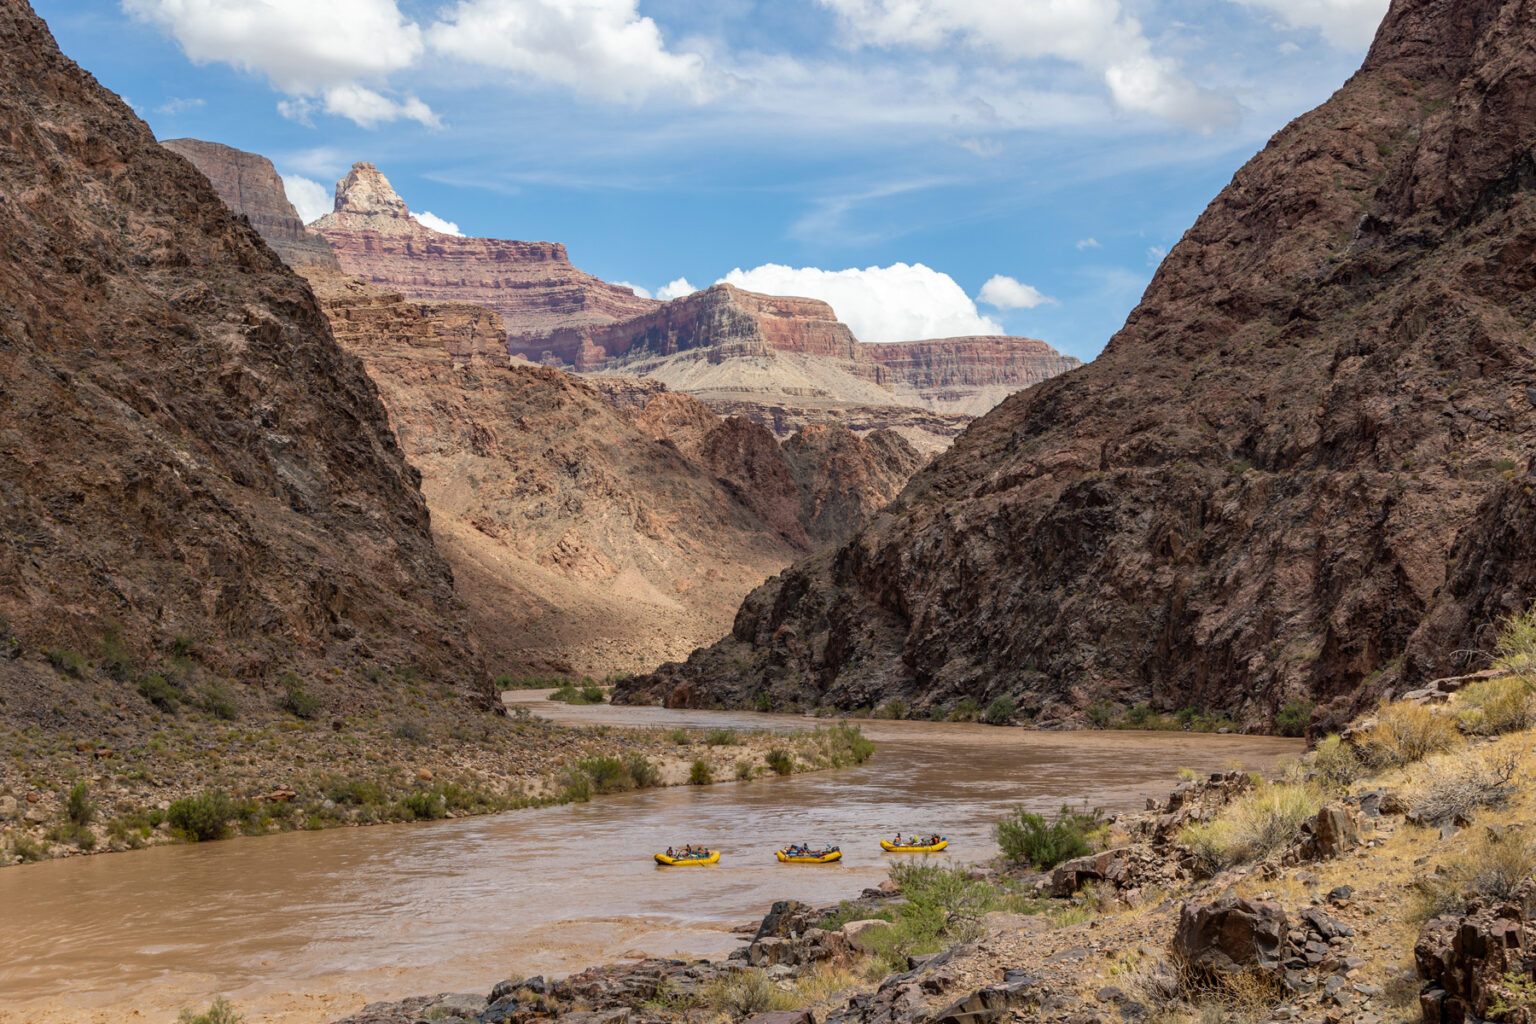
x: 592, y: 526
x: 788, y: 362
x: 781, y: 361
x: 188, y: 459
x: 1299, y: 472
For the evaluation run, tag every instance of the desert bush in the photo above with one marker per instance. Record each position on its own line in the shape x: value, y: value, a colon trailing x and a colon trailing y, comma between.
x: 357, y: 792
x: 743, y: 771
x: 219, y: 1012
x: 743, y: 993
x: 1406, y: 732
x: 1515, y: 650
x: 79, y: 808
x: 721, y: 738
x: 1492, y: 869
x: 842, y: 744
x: 578, y: 788
x: 761, y: 702
x: 1490, y: 707
x: 1291, y: 720
x: 216, y: 699
x: 587, y: 693
x: 780, y: 760
x: 26, y: 849
x: 1261, y: 822
x: 645, y: 774
x: 699, y: 773
x: 608, y: 774
x: 159, y: 691
x: 681, y: 737
x: 1210, y: 843
x: 1335, y: 762
x: 65, y: 662
x: 425, y: 806
x: 895, y: 708
x: 202, y: 817
x: 1027, y: 838
x: 965, y: 710
x: 410, y: 730
x: 115, y: 659
x: 1453, y: 788
x: 1101, y: 714
x: 1000, y: 711
x: 295, y: 700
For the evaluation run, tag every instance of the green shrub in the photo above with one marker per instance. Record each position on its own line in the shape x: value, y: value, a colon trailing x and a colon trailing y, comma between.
x: 965, y: 710
x: 721, y: 738
x: 65, y: 662
x: 1293, y: 717
x: 1491, y: 707
x: 608, y: 774
x: 219, y: 1012
x: 295, y: 700
x: 842, y: 744
x: 424, y: 806
x: 578, y: 788
x: 1000, y: 711
x: 762, y: 702
x: 743, y: 771
x: 79, y: 808
x: 592, y: 694
x: 1261, y: 822
x: 1101, y: 714
x: 159, y: 691
x: 699, y: 773
x: 645, y: 774
x: 216, y: 699
x: 26, y: 849
x: 203, y: 817
x: 115, y: 659
x: 780, y: 760
x: 1027, y: 838
x: 357, y: 792
x: 895, y: 708
x: 681, y: 737
x: 569, y: 693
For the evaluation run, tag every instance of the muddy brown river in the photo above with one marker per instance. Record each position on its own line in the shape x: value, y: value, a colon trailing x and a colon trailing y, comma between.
x: 306, y: 926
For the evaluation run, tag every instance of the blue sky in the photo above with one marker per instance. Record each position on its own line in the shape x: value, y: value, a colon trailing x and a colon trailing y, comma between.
x: 1035, y: 156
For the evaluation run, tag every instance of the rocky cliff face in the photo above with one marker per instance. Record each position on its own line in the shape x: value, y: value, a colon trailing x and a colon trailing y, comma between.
x: 188, y: 460
x: 966, y: 376
x: 531, y: 284
x: 1253, y: 494
x: 250, y: 185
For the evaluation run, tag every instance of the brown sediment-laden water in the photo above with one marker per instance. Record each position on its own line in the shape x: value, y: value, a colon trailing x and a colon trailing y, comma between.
x: 304, y: 926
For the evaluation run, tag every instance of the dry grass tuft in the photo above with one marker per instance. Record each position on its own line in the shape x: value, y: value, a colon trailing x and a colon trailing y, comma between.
x: 1335, y: 764
x: 1491, y: 707
x: 1491, y: 870
x: 1453, y: 788
x: 1261, y: 822
x: 1406, y: 732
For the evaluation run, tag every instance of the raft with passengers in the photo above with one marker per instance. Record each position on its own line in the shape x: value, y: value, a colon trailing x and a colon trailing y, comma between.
x: 804, y: 853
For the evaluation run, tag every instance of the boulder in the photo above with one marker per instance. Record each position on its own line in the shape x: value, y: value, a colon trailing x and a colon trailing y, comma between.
x: 784, y: 1017
x: 1110, y: 865
x: 785, y: 920
x: 1465, y: 958
x: 455, y: 1004
x: 1230, y: 934
x: 7, y: 808
x: 1331, y: 833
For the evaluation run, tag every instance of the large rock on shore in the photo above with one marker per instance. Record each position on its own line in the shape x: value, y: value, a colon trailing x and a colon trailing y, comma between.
x: 1230, y: 935
x: 1254, y: 494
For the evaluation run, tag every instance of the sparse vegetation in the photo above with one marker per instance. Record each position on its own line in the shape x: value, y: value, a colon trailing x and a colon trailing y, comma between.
x: 159, y: 691
x: 1406, y: 732
x: 295, y: 700
x: 699, y: 773
x: 743, y: 993
x: 1293, y: 717
x: 65, y: 662
x: 1028, y: 838
x: 608, y: 774
x: 1515, y: 650
x: 219, y: 1012
x: 1335, y: 763
x: 588, y: 693
x: 1492, y: 869
x: 1259, y: 823
x: 79, y: 808
x: 1490, y: 707
x: 1454, y: 787
x: 645, y: 774
x: 780, y: 760
x: 410, y: 730
x: 721, y: 738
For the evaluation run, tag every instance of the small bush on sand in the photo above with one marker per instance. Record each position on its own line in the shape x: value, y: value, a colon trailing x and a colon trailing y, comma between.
x: 744, y: 771
x: 1490, y: 707
x: 202, y: 817
x: 219, y: 1012
x: 699, y: 773
x: 780, y: 760
x: 1453, y: 788
x: 1027, y: 838
x: 1405, y: 733
x: 645, y: 774
x: 721, y: 738
x: 608, y: 774
x: 681, y: 737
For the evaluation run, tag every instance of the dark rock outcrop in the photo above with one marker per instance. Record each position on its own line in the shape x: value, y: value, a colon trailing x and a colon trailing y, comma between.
x: 1256, y: 492
x: 1230, y: 935
x: 1468, y: 959
x: 185, y: 452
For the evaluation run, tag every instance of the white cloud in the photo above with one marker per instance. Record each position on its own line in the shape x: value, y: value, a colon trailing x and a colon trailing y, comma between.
x: 1155, y: 255
x: 179, y: 106
x: 1347, y: 24
x: 305, y: 49
x: 1002, y: 292
x: 600, y: 47
x: 428, y: 219
x: 312, y: 199
x: 673, y: 290
x: 897, y: 303
x: 1088, y: 243
x: 1094, y: 34
x: 644, y: 293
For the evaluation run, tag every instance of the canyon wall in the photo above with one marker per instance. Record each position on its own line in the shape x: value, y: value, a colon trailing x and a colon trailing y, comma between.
x: 1322, y: 406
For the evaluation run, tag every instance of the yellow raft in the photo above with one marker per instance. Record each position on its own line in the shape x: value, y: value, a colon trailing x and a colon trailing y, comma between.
x: 682, y: 862
x: 825, y: 858
x: 890, y: 847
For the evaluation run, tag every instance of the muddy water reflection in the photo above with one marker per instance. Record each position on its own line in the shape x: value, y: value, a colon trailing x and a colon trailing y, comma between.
x: 394, y: 910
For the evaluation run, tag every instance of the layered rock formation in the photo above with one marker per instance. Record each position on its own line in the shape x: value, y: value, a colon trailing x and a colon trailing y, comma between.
x: 531, y: 284
x: 587, y: 535
x: 251, y: 186
x: 188, y: 460
x: 789, y: 363
x: 1254, y: 493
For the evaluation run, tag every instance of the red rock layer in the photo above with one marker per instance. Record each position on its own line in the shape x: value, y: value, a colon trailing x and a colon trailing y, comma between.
x: 251, y: 186
x: 531, y: 284
x: 957, y: 363
x: 1255, y: 494
x: 186, y: 455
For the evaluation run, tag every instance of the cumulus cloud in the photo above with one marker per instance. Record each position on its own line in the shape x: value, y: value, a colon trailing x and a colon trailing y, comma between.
x: 1347, y: 24
x: 672, y: 290
x: 316, y: 53
x: 644, y: 293
x: 428, y: 219
x: 1002, y: 292
x: 1094, y: 34
x: 176, y: 106
x: 897, y: 303
x: 1088, y: 243
x: 312, y: 199
x: 600, y: 47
